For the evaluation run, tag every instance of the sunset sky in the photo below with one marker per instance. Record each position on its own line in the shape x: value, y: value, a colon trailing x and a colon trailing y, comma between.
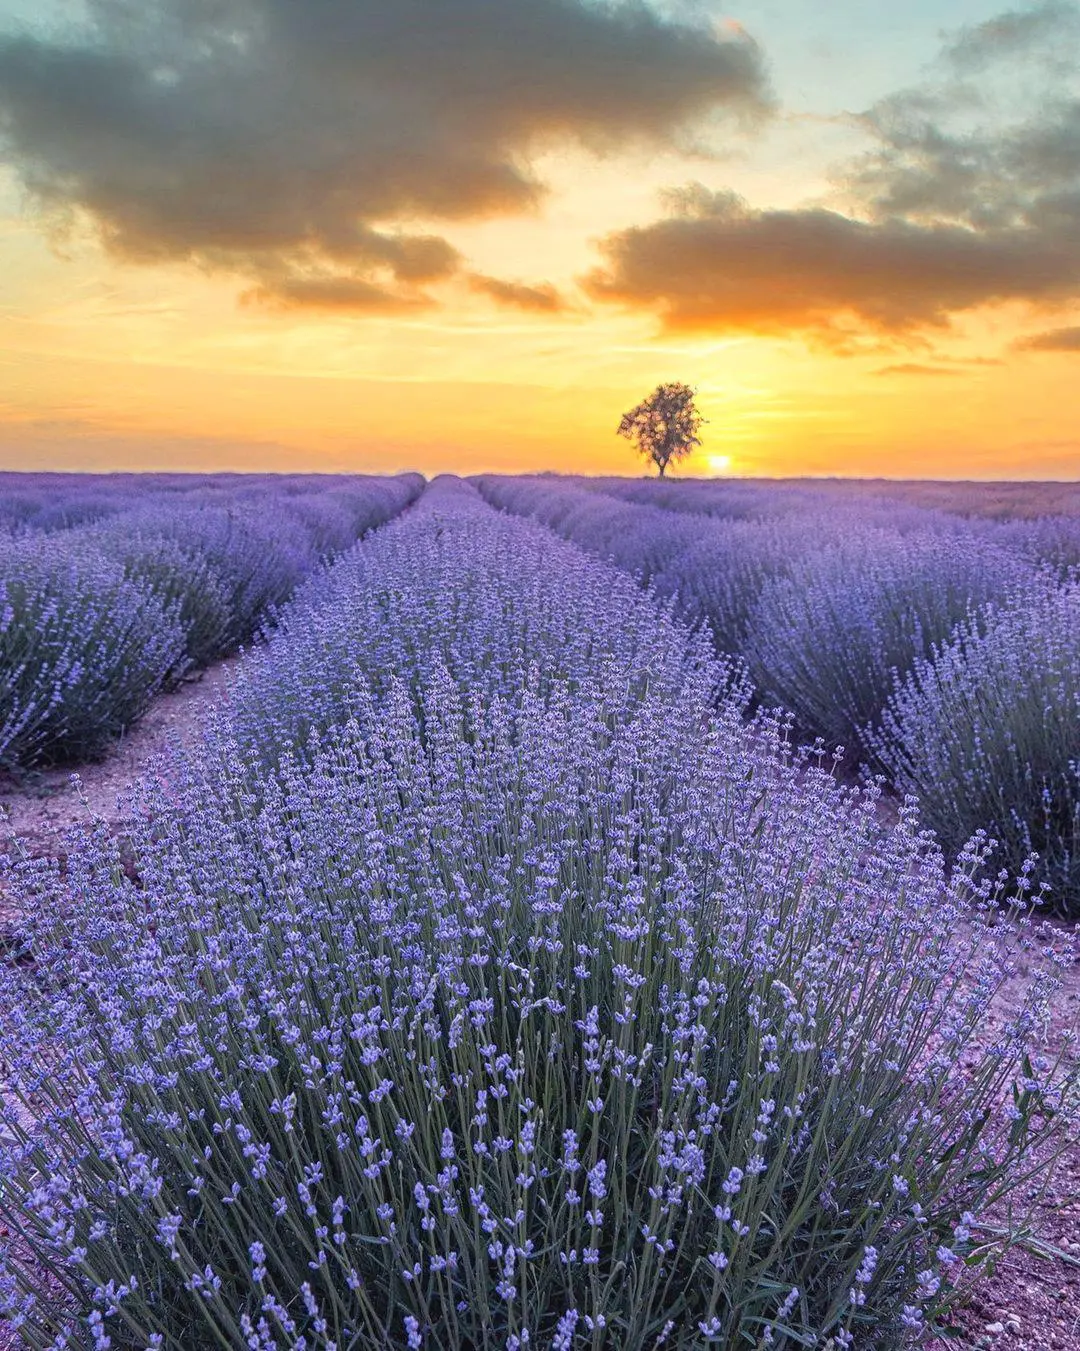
x: 468, y: 234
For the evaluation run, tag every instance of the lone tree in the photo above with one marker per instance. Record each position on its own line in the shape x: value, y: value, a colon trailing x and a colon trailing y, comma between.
x: 665, y: 425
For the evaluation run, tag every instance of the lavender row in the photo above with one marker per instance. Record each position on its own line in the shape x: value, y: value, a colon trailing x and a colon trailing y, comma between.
x: 746, y: 498
x: 96, y: 618
x: 518, y: 1000
x: 45, y: 503
x: 988, y: 732
x: 493, y: 604
x: 1039, y: 520
x: 886, y: 637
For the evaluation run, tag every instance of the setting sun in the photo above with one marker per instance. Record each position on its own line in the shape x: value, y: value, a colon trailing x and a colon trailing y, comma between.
x: 719, y: 464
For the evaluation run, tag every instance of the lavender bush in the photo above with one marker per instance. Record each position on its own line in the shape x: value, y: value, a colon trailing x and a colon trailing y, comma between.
x: 185, y: 579
x: 720, y: 577
x: 830, y: 594
x: 260, y: 559
x: 640, y: 540
x: 262, y: 551
x: 987, y: 735
x: 532, y: 1006
x: 830, y: 639
x: 711, y: 571
x: 83, y: 650
x: 1051, y: 541
x: 713, y: 546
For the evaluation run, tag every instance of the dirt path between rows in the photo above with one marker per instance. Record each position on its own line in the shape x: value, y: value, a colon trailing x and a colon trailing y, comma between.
x: 39, y: 805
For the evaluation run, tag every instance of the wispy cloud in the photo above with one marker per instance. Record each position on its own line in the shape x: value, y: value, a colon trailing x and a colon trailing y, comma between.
x: 1051, y: 340
x: 539, y: 298
x: 1035, y: 29
x: 917, y: 368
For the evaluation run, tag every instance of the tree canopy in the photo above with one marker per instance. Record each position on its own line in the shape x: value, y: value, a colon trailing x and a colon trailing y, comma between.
x: 665, y: 425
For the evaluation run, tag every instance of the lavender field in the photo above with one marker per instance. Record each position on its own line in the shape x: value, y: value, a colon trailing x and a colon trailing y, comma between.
x: 113, y: 588
x: 937, y: 648
x: 584, y: 924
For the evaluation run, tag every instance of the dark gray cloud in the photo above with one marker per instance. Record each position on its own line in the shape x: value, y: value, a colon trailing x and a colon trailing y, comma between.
x: 1026, y: 173
x: 1052, y: 340
x: 302, y: 144
x: 970, y: 197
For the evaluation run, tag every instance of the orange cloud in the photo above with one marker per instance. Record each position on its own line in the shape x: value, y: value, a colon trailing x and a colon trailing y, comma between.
x: 717, y: 264
x: 348, y: 294
x: 542, y: 298
x: 917, y: 368
x: 1052, y: 340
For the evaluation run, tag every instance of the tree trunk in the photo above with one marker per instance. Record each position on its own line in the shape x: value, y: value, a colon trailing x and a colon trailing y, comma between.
x: 661, y: 467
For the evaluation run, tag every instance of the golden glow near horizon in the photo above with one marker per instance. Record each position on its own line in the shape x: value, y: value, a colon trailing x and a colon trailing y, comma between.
x: 110, y: 363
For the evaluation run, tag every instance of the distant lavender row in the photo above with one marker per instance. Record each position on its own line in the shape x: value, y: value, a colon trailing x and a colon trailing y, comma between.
x: 742, y: 497
x: 1040, y: 520
x: 837, y: 603
x: 490, y: 984
x: 47, y: 502
x: 113, y: 590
